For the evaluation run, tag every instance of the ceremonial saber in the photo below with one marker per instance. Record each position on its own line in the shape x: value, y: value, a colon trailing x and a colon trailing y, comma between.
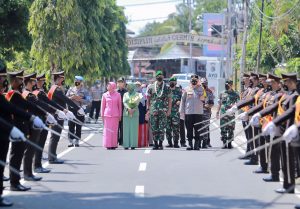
x: 239, y: 145
x: 219, y: 127
x: 71, y: 135
x: 276, y: 141
x: 15, y: 171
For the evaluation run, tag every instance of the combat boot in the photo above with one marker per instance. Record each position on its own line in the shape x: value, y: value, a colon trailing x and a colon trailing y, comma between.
x: 197, y: 145
x: 170, y: 144
x: 155, y: 147
x: 160, y: 146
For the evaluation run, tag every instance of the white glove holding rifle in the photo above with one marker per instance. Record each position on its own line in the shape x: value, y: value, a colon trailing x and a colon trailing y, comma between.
x: 37, y: 122
x: 70, y: 115
x: 291, y: 134
x: 60, y: 115
x: 255, y: 120
x: 50, y: 120
x: 16, y: 135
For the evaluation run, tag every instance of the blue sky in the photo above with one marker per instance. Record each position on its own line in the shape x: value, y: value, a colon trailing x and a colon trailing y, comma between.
x: 142, y: 12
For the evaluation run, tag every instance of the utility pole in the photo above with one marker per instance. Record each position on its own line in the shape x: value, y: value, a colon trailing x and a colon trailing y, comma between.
x: 190, y: 31
x: 260, y: 35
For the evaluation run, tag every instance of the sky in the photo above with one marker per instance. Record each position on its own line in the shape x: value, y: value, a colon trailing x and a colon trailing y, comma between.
x: 153, y: 9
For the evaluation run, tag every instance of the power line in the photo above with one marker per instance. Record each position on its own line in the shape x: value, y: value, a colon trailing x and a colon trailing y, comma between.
x: 280, y: 16
x: 151, y: 3
x: 146, y: 19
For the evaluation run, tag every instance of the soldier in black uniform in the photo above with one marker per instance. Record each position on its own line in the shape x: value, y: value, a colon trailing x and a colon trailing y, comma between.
x: 40, y: 92
x: 8, y: 132
x: 44, y: 112
x: 287, y: 153
x: 57, y: 95
x: 17, y: 149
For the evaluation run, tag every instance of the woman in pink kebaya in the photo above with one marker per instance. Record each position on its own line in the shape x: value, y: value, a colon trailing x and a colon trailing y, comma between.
x: 111, y: 113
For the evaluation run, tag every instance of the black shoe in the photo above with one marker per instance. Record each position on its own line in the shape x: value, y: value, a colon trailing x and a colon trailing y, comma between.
x: 183, y: 145
x: 70, y: 145
x: 5, y: 178
x: 155, y: 147
x: 204, y: 146
x: 251, y: 162
x: 76, y: 145
x: 209, y: 145
x: 151, y: 145
x: 132, y: 148
x: 42, y: 170
x: 126, y: 148
x: 19, y: 188
x: 169, y: 146
x: 261, y: 170
x: 56, y: 161
x: 297, y: 206
x: 32, y: 178
x: 5, y: 202
x: 271, y: 179
x: 189, y: 148
x: 176, y: 146
x: 285, y: 191
x: 244, y: 157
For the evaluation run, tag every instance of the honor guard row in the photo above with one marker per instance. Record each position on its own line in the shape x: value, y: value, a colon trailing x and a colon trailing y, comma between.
x: 270, y: 108
x: 27, y: 113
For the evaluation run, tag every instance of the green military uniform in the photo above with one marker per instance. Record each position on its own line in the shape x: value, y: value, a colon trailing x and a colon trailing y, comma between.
x: 173, y: 121
x: 159, y: 98
x: 227, y: 100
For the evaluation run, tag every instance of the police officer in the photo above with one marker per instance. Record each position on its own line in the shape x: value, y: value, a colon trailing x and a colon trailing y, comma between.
x: 57, y: 95
x: 192, y: 107
x: 226, y: 100
x: 159, y: 104
x: 208, y: 104
x: 79, y: 97
x: 173, y: 120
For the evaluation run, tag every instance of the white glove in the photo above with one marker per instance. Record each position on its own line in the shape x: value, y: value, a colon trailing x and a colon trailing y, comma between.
x: 80, y: 112
x: 38, y: 123
x: 243, y: 116
x: 269, y: 129
x: 16, y: 135
x: 51, y: 120
x: 291, y: 134
x: 232, y: 110
x: 70, y: 115
x: 255, y: 120
x: 61, y: 115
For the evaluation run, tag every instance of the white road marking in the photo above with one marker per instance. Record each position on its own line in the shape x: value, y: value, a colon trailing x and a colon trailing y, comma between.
x: 147, y: 151
x: 139, y: 191
x: 46, y: 164
x: 142, y: 166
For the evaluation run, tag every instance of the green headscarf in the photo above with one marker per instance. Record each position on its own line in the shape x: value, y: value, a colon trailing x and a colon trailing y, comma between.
x: 131, y: 88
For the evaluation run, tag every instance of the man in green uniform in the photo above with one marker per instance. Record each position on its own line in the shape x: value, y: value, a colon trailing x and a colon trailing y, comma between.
x: 159, y: 104
x: 226, y: 100
x: 173, y: 121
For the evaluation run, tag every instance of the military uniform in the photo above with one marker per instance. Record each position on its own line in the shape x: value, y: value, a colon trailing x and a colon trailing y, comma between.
x: 158, y: 96
x: 227, y: 99
x: 209, y: 101
x: 173, y: 120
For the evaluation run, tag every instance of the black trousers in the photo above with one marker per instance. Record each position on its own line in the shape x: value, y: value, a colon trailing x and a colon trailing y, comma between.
x: 182, y: 132
x: 38, y: 155
x: 190, y: 121
x: 252, y: 145
x: 246, y: 134
x: 15, y: 161
x: 288, y: 163
x: 75, y: 129
x: 54, y: 139
x: 120, y: 132
x: 275, y: 158
x: 95, y: 106
x: 4, y: 144
x: 263, y: 153
x: 29, y: 151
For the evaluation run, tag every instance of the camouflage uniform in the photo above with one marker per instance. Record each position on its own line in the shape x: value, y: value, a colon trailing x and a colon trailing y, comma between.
x: 227, y: 100
x: 209, y: 100
x: 158, y: 110
x: 173, y: 121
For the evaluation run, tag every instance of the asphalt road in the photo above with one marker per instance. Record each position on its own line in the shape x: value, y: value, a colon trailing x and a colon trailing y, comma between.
x: 94, y: 177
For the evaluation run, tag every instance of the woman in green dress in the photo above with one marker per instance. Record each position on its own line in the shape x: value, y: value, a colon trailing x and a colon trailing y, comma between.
x: 131, y: 101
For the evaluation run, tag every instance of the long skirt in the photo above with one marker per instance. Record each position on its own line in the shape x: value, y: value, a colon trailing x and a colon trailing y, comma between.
x: 130, y: 131
x: 143, y: 135
x: 110, y: 132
